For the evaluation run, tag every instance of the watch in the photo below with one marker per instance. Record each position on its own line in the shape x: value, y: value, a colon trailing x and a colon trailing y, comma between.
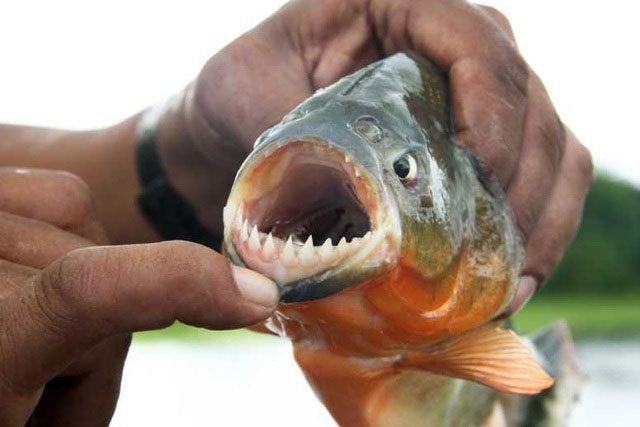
x: 170, y: 214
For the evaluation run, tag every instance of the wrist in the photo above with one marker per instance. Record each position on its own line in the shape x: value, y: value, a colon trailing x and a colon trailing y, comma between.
x: 103, y: 158
x: 106, y: 161
x: 198, y: 162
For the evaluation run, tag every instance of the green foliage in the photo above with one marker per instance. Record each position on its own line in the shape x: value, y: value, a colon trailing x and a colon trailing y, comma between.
x: 589, y: 316
x: 605, y: 256
x: 180, y: 331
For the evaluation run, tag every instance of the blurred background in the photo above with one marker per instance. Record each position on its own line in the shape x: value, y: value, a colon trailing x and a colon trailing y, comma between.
x: 86, y: 64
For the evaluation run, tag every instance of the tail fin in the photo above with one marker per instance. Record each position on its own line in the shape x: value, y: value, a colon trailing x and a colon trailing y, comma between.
x: 551, y: 408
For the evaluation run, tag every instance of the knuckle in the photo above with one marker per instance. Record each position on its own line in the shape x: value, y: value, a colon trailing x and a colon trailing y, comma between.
x: 84, y: 289
x: 55, y: 317
x: 495, y: 13
x: 584, y: 164
x: 76, y: 198
x: 62, y: 277
x: 499, y: 17
x: 67, y: 286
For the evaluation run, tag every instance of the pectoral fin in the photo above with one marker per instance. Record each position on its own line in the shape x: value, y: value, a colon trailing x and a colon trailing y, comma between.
x: 489, y: 355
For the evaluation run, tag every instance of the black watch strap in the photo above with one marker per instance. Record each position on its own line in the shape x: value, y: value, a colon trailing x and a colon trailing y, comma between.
x: 170, y: 214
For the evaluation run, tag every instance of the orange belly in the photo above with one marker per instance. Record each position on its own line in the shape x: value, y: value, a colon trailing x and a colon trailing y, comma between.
x: 348, y: 344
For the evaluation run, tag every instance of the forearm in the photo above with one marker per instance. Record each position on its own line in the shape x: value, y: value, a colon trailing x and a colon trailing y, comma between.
x: 104, y: 158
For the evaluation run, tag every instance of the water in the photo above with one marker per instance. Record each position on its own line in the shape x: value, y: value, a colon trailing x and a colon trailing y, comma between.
x: 250, y: 383
x: 612, y: 394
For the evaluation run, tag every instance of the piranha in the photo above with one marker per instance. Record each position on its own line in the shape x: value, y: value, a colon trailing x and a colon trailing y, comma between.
x: 395, y: 253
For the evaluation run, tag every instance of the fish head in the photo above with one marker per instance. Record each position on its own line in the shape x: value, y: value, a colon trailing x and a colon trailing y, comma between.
x: 389, y: 241
x: 312, y: 211
x: 361, y: 174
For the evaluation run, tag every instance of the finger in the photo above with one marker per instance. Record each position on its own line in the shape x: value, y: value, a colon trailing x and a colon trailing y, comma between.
x: 487, y: 75
x: 14, y: 276
x: 543, y: 142
x: 526, y: 288
x: 345, y: 49
x: 89, y: 396
x: 500, y: 20
x: 542, y: 150
x: 547, y: 128
x: 55, y: 197
x: 34, y: 243
x: 94, y: 293
x: 561, y: 216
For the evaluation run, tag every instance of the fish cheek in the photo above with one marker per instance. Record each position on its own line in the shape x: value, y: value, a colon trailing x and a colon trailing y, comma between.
x: 428, y: 247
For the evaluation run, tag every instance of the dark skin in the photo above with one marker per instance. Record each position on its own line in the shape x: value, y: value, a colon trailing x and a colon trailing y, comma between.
x: 67, y: 307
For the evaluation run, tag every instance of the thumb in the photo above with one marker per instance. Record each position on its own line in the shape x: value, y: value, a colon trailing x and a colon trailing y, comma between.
x: 94, y: 293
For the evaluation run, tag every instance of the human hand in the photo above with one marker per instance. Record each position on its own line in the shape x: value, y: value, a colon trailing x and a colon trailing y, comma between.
x: 501, y: 110
x: 67, y: 307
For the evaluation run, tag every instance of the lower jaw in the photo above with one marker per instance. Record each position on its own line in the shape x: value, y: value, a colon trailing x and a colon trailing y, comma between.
x: 289, y: 263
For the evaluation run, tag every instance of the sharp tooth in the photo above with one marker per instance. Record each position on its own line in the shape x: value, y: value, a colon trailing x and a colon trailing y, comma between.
x: 343, y: 246
x: 288, y: 256
x: 357, y: 172
x: 307, y: 253
x: 254, y: 239
x: 269, y: 249
x: 328, y: 252
x: 347, y: 158
x: 367, y: 236
x: 227, y: 215
x: 240, y: 215
x: 244, y: 231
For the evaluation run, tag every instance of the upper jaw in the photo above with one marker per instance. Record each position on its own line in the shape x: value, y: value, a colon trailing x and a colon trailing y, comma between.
x: 311, y: 269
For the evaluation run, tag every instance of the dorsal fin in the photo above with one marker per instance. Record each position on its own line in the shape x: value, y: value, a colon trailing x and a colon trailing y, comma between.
x: 488, y: 355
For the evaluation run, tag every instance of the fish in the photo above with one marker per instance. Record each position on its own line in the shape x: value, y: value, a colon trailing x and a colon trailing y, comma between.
x: 396, y: 255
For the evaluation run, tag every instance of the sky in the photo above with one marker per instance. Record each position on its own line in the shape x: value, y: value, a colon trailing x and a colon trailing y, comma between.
x: 87, y: 64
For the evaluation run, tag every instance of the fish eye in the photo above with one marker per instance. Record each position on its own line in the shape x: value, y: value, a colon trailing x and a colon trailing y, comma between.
x: 406, y: 168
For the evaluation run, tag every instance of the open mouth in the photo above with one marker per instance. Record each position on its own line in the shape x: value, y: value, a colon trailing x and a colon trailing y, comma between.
x: 302, y: 209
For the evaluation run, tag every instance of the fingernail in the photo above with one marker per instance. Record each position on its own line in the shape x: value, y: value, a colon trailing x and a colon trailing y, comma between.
x: 527, y: 286
x: 255, y: 287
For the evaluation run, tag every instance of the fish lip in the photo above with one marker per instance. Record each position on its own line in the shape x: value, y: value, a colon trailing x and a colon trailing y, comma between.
x: 368, y: 260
